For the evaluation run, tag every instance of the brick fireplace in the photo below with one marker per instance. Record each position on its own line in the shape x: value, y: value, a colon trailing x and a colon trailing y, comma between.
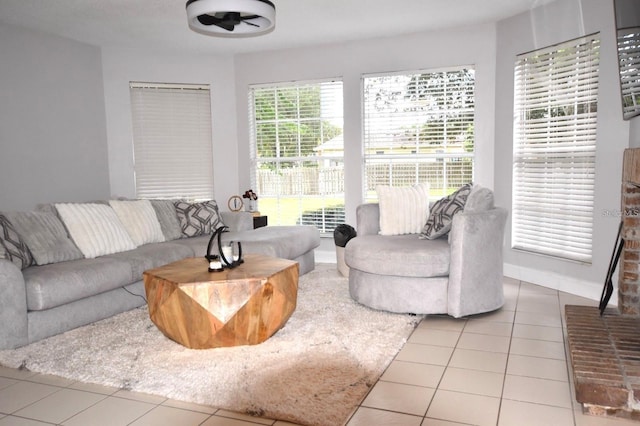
x: 629, y: 277
x: 605, y: 348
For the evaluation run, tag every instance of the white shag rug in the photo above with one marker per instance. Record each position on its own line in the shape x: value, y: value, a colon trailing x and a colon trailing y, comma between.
x: 313, y: 371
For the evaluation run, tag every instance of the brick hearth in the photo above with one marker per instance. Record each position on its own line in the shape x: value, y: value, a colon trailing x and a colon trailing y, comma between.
x: 605, y: 349
x: 605, y: 353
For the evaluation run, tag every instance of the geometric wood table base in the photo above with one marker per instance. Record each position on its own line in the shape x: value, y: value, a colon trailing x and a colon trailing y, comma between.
x: 241, y: 306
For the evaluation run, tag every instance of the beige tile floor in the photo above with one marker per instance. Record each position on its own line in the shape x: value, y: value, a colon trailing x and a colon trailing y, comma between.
x: 508, y: 367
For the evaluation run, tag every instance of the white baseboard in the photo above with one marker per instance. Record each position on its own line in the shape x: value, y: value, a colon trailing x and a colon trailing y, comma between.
x: 567, y: 284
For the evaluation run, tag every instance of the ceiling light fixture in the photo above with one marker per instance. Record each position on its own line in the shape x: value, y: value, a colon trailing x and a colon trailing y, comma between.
x: 231, y: 18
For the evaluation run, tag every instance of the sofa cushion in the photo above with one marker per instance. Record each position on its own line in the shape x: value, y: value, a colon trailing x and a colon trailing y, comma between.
x: 403, y: 210
x: 95, y: 228
x: 151, y: 256
x: 198, y: 218
x: 59, y: 283
x: 401, y: 255
x: 285, y: 242
x: 139, y: 219
x: 14, y: 248
x: 45, y: 236
x: 168, y: 218
x: 442, y: 212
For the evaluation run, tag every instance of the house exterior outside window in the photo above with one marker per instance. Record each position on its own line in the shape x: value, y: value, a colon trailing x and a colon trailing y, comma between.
x: 297, y: 151
x: 419, y: 127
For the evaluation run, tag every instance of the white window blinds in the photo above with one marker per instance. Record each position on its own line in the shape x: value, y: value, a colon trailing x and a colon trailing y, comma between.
x: 629, y: 59
x: 419, y: 127
x: 556, y: 99
x: 297, y: 152
x: 172, y: 141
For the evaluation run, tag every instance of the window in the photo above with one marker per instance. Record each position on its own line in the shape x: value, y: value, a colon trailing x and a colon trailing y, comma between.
x: 419, y: 127
x: 556, y: 99
x: 172, y: 141
x: 297, y: 152
x: 629, y: 64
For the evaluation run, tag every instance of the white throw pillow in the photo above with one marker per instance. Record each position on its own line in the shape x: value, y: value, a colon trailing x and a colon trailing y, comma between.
x: 403, y: 210
x: 140, y: 220
x: 95, y: 228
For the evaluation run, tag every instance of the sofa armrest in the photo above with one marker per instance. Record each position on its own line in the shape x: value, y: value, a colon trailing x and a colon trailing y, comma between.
x: 13, y: 307
x: 475, y: 274
x: 368, y: 219
x: 237, y: 221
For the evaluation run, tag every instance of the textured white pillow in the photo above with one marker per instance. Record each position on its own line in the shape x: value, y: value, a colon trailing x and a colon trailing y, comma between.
x: 140, y: 220
x: 403, y: 210
x: 95, y: 228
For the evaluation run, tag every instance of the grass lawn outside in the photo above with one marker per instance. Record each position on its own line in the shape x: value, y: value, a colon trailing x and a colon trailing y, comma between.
x: 288, y: 211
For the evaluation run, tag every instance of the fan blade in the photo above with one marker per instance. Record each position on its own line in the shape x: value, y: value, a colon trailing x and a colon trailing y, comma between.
x: 208, y: 19
x: 212, y: 20
x: 246, y: 20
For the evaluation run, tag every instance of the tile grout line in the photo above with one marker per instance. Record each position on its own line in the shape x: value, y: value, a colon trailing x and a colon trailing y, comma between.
x: 506, y: 366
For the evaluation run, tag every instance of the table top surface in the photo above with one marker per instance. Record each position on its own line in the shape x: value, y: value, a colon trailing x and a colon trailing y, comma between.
x: 195, y: 269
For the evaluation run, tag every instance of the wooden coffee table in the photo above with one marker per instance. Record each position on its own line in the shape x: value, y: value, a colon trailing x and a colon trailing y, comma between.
x: 241, y: 306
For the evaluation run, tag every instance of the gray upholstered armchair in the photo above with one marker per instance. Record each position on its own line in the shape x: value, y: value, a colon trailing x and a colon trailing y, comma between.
x: 459, y: 274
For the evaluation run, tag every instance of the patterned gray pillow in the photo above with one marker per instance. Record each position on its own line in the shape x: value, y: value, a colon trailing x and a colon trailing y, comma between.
x: 442, y: 212
x: 198, y: 218
x: 15, y: 249
x: 45, y: 235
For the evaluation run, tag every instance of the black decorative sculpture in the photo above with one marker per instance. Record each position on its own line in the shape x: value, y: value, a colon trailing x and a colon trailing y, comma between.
x: 226, y: 259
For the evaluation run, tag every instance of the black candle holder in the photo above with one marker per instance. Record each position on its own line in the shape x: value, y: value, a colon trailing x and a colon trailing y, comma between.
x: 215, y: 259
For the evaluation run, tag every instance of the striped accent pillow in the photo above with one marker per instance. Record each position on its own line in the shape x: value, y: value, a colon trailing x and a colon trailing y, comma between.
x: 403, y: 210
x: 140, y: 220
x: 95, y: 228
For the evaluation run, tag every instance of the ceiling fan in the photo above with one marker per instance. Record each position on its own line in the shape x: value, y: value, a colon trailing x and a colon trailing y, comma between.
x: 231, y: 18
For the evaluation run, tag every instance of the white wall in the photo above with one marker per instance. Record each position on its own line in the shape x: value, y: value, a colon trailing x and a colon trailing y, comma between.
x: 120, y: 66
x: 57, y: 144
x: 53, y: 144
x: 349, y: 61
x: 547, y: 25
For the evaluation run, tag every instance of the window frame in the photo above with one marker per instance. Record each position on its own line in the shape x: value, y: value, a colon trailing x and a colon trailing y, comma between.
x: 372, y: 156
x: 329, y: 215
x: 554, y: 157
x: 172, y: 140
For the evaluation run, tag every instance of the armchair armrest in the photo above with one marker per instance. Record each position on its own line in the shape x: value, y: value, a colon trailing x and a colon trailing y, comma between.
x: 238, y: 221
x: 13, y: 307
x: 476, y: 268
x: 368, y: 219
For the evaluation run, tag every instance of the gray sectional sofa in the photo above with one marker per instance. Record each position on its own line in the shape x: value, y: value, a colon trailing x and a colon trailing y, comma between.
x: 58, y: 287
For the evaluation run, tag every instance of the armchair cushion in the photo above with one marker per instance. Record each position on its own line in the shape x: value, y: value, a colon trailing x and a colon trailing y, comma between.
x: 399, y: 255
